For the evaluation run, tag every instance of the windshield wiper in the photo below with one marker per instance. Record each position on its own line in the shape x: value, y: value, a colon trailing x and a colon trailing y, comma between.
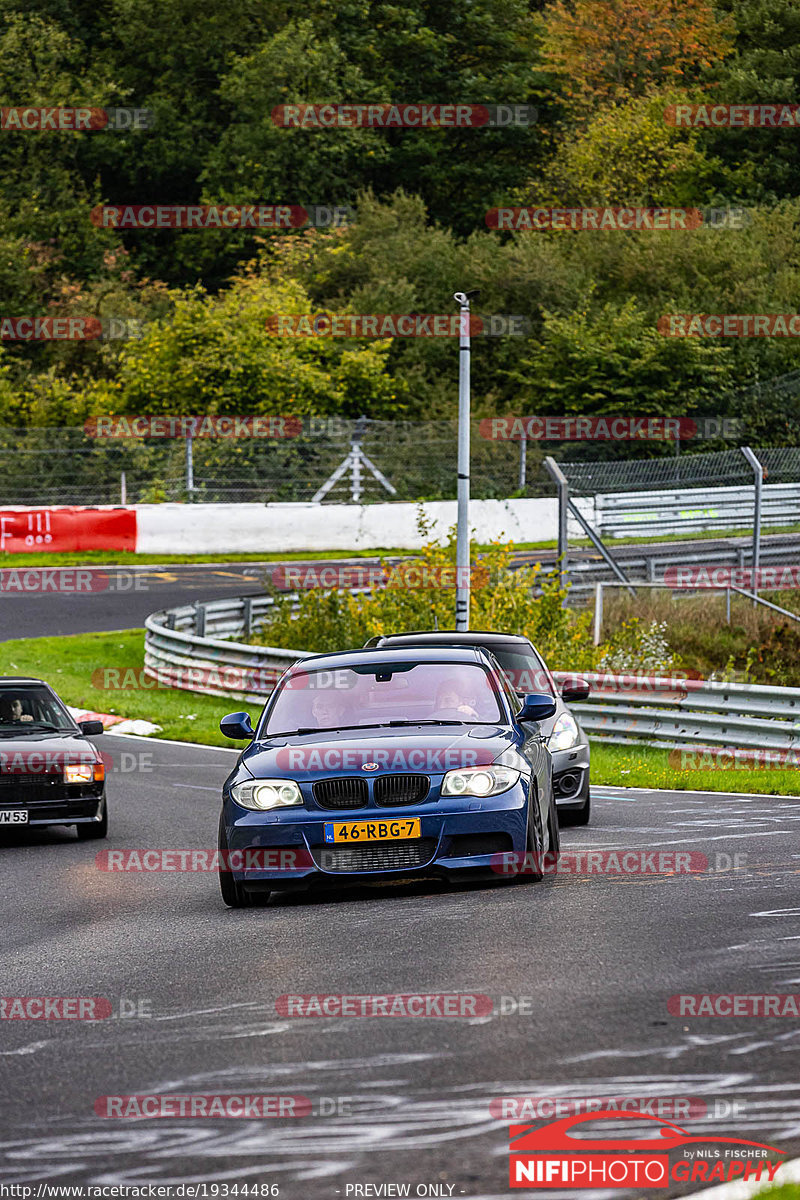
x: 425, y: 721
x: 324, y: 729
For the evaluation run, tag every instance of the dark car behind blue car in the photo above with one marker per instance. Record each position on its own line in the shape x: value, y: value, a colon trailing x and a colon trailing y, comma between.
x: 398, y: 763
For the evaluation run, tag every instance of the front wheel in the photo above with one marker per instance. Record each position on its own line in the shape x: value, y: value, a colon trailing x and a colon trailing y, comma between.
x: 554, y: 849
x: 233, y: 893
x: 95, y: 829
x: 533, y: 867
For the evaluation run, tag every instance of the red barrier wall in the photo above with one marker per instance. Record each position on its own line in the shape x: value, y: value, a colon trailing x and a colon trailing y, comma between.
x: 26, y: 530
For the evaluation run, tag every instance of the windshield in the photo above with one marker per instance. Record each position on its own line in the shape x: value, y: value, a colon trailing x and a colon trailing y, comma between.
x: 31, y: 709
x: 378, y: 693
x: 524, y: 668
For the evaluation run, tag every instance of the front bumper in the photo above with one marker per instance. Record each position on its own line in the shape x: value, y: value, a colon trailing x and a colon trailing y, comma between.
x: 54, y: 804
x: 288, y: 849
x: 571, y: 774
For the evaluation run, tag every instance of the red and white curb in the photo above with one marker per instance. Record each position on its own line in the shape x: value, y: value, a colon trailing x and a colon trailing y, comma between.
x: 115, y: 724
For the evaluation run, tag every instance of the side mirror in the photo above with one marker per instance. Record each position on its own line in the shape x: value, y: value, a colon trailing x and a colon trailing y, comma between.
x: 537, y: 707
x: 237, y: 725
x: 576, y: 689
x: 90, y: 728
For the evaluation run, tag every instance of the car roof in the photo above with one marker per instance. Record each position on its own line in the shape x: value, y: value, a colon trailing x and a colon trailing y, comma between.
x: 17, y: 680
x: 449, y: 637
x: 348, y: 658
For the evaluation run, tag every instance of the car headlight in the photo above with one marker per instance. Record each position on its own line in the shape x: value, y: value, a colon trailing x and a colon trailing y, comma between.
x: 78, y: 773
x: 565, y: 733
x: 267, y: 793
x: 479, y: 781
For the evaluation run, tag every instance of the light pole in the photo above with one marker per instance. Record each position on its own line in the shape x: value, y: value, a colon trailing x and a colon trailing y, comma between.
x: 462, y: 528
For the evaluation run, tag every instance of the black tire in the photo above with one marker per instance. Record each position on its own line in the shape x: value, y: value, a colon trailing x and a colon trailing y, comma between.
x: 97, y: 829
x: 579, y: 815
x: 533, y: 868
x: 554, y: 849
x: 233, y: 893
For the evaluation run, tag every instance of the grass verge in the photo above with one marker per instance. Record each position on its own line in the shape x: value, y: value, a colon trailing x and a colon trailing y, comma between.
x: 634, y: 766
x: 69, y: 664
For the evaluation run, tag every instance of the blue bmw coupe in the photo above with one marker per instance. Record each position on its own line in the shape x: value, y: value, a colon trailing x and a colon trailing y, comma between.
x: 385, y: 764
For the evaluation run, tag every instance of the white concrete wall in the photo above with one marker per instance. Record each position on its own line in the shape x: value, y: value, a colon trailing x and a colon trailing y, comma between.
x: 253, y: 528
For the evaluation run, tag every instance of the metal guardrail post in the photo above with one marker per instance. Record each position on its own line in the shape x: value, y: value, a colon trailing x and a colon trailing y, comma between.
x: 200, y: 619
x: 598, y: 612
x: 247, y: 616
x: 560, y: 480
x: 758, y: 478
x: 189, y: 469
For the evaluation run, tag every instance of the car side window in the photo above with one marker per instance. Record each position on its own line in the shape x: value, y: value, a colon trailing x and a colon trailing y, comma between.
x: 507, y: 685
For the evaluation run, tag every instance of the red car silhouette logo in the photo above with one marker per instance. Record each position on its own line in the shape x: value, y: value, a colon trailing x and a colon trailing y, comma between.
x: 556, y: 1136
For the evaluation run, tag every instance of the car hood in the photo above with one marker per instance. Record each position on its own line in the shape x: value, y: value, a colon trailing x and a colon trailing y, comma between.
x: 424, y: 749
x: 38, y: 751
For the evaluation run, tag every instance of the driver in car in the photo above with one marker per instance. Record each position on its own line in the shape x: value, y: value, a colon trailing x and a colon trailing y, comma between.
x: 13, y: 713
x: 330, y: 710
x: 449, y: 699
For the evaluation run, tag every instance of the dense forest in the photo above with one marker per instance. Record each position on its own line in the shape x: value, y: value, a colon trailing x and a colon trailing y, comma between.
x: 603, y: 77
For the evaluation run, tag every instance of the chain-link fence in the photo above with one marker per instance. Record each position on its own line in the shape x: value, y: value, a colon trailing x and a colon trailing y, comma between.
x: 372, y: 461
x: 725, y: 468
x: 337, y: 460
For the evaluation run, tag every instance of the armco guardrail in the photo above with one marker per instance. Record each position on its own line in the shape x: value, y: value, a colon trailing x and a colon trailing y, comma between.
x: 192, y: 648
x: 662, y: 711
x: 688, y: 510
x: 649, y: 567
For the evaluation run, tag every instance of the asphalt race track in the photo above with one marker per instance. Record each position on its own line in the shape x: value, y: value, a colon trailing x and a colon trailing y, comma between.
x: 591, y: 959
x: 140, y: 591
